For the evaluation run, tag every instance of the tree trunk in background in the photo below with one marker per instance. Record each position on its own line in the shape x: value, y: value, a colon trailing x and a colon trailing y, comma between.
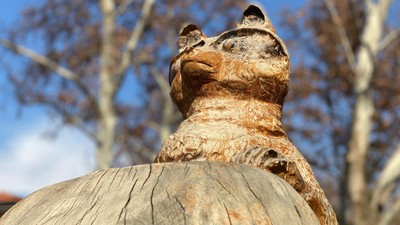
x: 363, y: 111
x: 108, y: 118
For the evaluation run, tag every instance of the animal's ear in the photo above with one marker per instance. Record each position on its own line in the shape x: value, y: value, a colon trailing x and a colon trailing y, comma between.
x: 253, y: 16
x: 189, y: 36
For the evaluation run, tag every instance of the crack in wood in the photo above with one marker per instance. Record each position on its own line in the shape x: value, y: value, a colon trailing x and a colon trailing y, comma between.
x: 112, y: 181
x: 227, y: 213
x: 220, y: 183
x: 148, y: 176
x: 124, y: 209
x: 152, y: 194
x: 258, y: 198
x: 183, y: 208
x: 87, y: 211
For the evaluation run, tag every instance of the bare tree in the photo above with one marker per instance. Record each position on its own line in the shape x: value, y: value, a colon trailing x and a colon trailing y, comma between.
x: 88, y: 50
x: 351, y: 67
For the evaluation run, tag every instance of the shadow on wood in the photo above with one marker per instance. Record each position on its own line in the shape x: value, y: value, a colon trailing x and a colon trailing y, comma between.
x: 167, y: 193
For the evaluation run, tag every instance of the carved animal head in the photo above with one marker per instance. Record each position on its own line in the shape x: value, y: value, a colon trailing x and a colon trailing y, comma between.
x: 249, y: 62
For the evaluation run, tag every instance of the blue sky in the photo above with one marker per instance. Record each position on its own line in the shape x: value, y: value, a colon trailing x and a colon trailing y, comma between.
x: 29, y: 160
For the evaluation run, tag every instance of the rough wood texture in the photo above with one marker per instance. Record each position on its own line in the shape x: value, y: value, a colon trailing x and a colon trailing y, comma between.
x: 168, y: 193
x: 230, y: 89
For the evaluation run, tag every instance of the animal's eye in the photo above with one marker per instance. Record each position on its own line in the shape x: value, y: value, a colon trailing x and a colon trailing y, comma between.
x: 199, y: 44
x: 228, y: 45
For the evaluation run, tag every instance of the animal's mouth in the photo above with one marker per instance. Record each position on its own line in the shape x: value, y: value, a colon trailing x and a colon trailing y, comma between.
x: 195, y: 68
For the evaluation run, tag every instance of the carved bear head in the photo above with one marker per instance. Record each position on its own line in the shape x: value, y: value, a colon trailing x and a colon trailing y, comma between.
x: 249, y: 62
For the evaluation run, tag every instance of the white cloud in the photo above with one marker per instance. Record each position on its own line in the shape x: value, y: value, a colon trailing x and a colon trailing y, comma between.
x: 29, y: 161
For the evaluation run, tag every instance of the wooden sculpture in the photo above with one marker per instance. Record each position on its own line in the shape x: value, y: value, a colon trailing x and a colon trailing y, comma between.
x: 230, y: 90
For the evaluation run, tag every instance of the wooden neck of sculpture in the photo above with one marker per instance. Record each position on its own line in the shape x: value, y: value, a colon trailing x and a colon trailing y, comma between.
x: 251, y: 114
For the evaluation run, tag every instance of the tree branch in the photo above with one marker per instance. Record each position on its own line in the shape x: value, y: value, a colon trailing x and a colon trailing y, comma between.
x: 152, y: 124
x: 389, y: 38
x: 78, y: 123
x: 123, y: 5
x: 50, y: 64
x: 133, y: 41
x: 368, y: 4
x: 167, y: 108
x: 161, y: 81
x: 391, y: 214
x: 73, y: 119
x: 389, y: 175
x: 146, y: 153
x: 383, y: 6
x: 344, y: 39
x: 40, y: 59
x: 137, y: 32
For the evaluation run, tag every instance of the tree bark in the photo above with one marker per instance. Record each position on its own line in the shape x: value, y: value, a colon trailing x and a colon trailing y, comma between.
x: 165, y: 193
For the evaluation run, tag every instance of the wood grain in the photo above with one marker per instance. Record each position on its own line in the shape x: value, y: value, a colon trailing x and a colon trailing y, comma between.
x: 167, y: 193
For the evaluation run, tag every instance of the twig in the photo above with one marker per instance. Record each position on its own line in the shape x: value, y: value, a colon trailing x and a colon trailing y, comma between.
x: 50, y: 64
x: 161, y: 81
x: 391, y: 214
x: 123, y: 5
x: 133, y: 41
x: 78, y: 123
x: 368, y: 3
x: 168, y: 108
x: 344, y: 39
x: 43, y: 60
x: 389, y: 38
x: 388, y: 176
x: 141, y: 150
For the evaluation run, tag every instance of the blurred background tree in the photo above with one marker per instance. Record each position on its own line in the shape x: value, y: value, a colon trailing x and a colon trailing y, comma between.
x: 342, y: 110
x: 344, y: 105
x: 87, y: 51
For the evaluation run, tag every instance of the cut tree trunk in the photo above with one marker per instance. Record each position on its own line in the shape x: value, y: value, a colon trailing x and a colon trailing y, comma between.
x: 167, y: 193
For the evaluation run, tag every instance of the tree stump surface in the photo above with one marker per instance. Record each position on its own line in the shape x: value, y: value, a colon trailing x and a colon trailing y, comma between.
x: 167, y: 193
